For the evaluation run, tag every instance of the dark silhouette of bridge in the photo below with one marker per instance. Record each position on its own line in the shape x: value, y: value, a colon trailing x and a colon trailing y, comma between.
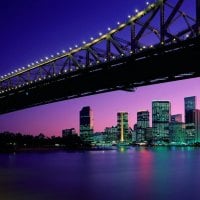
x: 158, y: 44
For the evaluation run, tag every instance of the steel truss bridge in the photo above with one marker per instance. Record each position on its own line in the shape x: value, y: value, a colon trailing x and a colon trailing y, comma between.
x: 158, y: 44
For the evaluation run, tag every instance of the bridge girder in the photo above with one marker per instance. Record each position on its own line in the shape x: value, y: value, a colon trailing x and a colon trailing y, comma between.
x: 126, y: 42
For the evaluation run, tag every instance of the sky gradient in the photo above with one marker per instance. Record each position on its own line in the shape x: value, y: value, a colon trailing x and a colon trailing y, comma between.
x: 33, y: 29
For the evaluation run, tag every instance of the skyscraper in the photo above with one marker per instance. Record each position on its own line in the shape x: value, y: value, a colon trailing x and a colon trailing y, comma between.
x: 142, y: 124
x: 86, y: 123
x: 192, y: 119
x: 122, y: 125
x: 161, y: 112
x: 177, y: 129
x: 190, y: 104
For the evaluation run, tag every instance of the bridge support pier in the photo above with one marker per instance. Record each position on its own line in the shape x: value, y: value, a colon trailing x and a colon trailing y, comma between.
x: 198, y: 17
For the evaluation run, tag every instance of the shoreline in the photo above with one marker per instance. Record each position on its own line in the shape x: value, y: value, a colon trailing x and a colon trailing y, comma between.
x: 50, y: 149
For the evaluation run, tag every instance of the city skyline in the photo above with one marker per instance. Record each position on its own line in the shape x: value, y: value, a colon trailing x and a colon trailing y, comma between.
x: 28, y: 36
x: 100, y: 121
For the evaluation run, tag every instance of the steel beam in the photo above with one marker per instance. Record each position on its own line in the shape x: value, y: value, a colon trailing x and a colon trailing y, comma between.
x: 162, y: 23
x: 133, y: 46
x: 198, y: 16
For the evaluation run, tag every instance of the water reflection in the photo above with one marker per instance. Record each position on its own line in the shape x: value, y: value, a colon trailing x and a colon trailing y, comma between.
x: 125, y: 173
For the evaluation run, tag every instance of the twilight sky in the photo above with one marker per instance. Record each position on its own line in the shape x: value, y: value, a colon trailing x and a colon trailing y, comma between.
x: 33, y: 29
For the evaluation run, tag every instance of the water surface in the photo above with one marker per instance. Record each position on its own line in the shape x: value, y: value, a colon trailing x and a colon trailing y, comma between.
x: 135, y: 173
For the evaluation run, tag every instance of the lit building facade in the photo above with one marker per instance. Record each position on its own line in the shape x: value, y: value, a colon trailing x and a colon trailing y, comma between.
x: 67, y: 132
x: 142, y: 124
x: 190, y: 104
x: 86, y: 123
x: 111, y: 134
x: 161, y: 113
x: 122, y: 125
x: 192, y: 119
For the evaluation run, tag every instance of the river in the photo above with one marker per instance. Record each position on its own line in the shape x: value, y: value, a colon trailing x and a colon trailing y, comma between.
x: 138, y: 173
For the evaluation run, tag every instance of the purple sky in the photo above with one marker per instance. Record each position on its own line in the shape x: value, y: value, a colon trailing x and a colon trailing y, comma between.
x: 33, y: 29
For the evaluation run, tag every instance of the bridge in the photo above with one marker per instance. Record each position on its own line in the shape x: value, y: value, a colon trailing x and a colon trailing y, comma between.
x: 158, y: 44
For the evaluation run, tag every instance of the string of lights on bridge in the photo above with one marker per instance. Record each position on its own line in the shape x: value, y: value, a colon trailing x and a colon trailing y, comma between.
x: 59, y: 55
x: 64, y: 53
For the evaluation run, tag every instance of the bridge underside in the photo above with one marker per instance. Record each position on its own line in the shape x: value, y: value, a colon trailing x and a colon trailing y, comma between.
x: 153, y: 66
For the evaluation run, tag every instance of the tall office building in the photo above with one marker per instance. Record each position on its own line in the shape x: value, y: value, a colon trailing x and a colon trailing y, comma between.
x: 177, y: 129
x: 122, y: 125
x: 190, y: 104
x: 86, y: 123
x: 142, y: 124
x: 192, y: 119
x: 161, y: 113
